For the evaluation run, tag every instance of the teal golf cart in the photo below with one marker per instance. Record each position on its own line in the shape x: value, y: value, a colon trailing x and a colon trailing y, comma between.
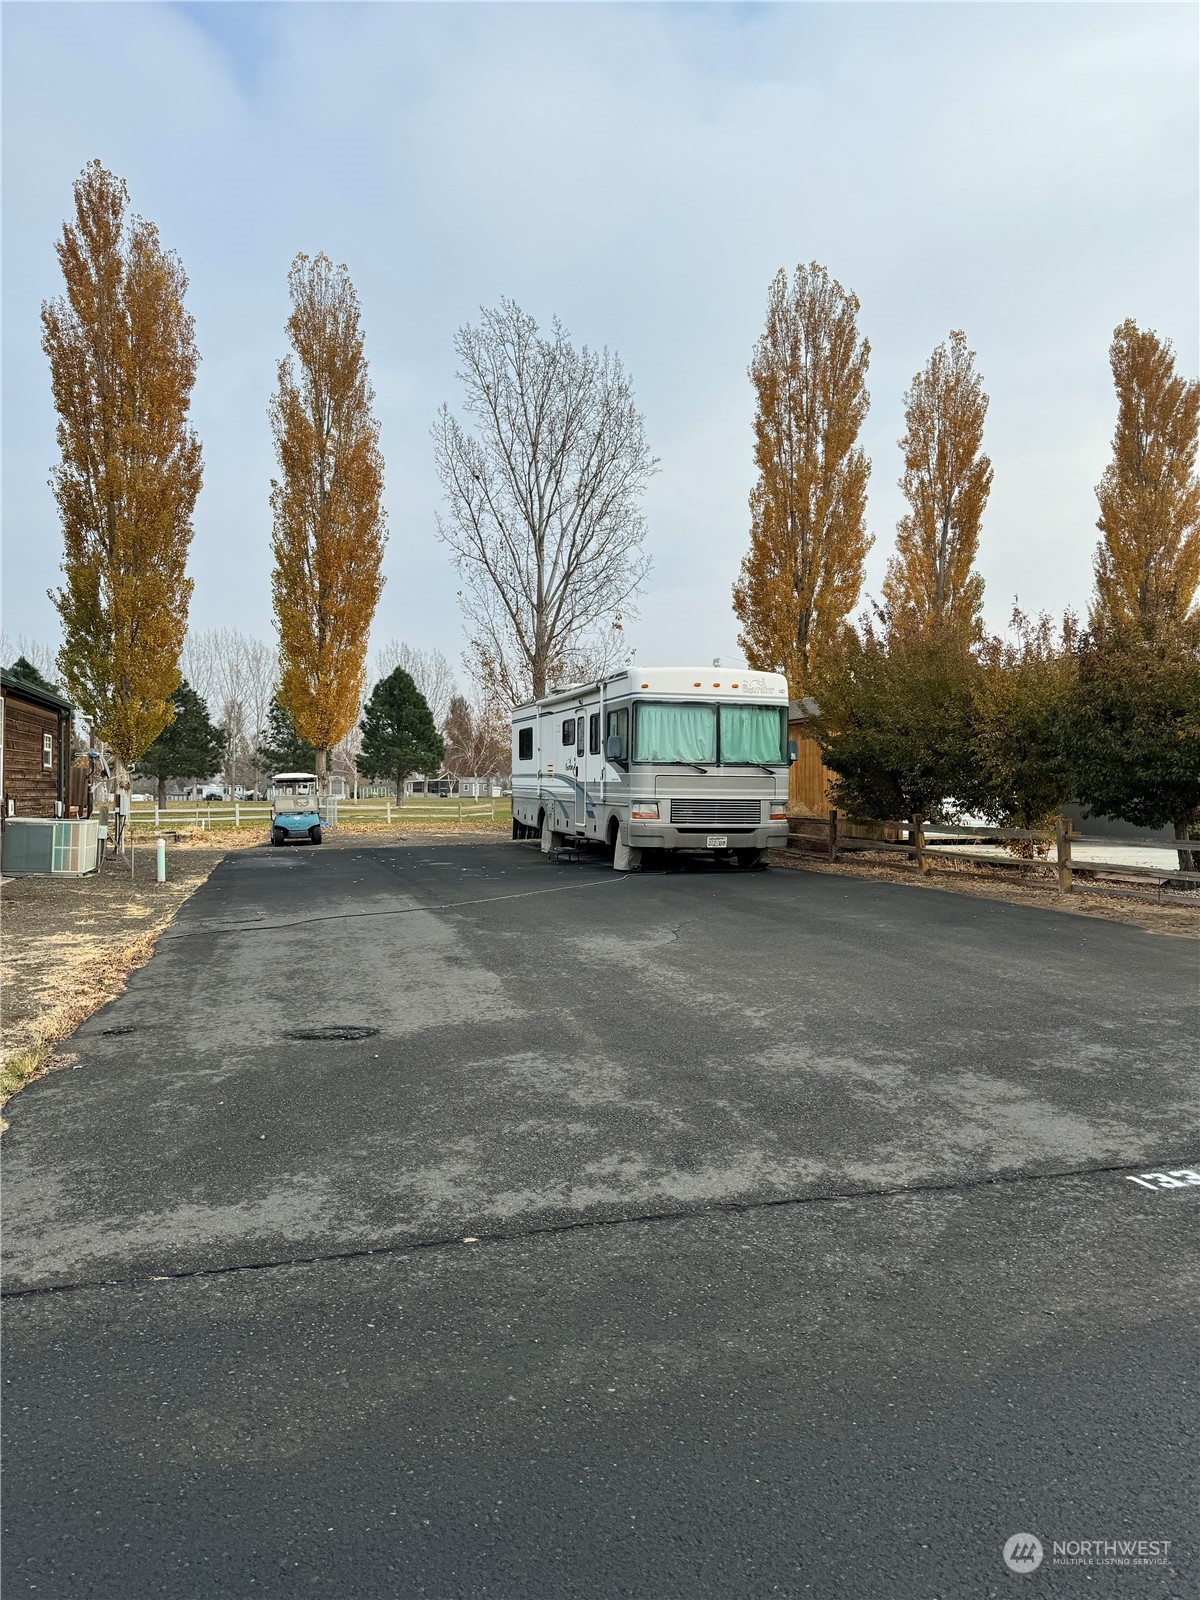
x: 294, y: 814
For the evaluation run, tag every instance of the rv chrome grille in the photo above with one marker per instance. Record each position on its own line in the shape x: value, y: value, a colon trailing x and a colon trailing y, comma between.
x: 716, y: 813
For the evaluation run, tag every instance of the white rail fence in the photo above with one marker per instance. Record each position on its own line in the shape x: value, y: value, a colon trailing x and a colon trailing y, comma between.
x: 150, y: 818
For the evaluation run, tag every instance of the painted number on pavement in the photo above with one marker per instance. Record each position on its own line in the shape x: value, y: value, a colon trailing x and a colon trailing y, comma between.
x: 1181, y: 1178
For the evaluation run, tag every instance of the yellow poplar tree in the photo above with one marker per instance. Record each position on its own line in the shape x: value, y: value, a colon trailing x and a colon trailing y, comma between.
x: 803, y: 572
x: 1148, y: 560
x: 930, y: 583
x: 329, y: 525
x: 123, y: 358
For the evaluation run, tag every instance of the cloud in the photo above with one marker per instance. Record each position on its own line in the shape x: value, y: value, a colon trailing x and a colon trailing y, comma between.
x: 1026, y: 173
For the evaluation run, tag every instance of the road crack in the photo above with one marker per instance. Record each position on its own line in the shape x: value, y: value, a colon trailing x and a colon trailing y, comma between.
x: 588, y: 1224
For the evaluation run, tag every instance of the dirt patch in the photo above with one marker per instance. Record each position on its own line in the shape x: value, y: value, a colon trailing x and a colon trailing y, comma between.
x: 69, y: 944
x: 963, y: 877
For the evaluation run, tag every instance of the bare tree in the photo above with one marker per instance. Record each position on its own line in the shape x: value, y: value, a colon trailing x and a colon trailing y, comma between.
x: 428, y: 669
x: 543, y: 498
x: 477, y: 740
x: 237, y: 676
x: 196, y: 663
x: 43, y: 657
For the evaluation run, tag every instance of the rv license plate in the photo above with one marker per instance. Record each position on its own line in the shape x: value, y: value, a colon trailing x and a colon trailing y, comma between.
x: 717, y: 841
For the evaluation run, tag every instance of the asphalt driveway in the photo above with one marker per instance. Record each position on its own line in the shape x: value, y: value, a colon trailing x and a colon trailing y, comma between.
x: 804, y: 1249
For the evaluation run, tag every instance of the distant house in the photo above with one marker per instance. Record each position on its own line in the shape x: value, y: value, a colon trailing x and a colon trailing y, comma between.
x: 36, y: 748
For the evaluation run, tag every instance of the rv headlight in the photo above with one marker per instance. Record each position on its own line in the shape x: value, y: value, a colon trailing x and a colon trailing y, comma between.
x: 644, y: 811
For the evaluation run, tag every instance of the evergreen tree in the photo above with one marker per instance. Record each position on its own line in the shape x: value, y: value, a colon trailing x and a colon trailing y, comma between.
x: 188, y: 747
x: 21, y: 668
x: 398, y: 732
x: 280, y: 747
x: 1130, y: 728
x: 898, y: 724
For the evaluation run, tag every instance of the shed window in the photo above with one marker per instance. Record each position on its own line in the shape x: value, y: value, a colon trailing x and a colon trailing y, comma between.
x: 524, y: 744
x: 47, y: 750
x: 594, y: 733
x: 569, y: 730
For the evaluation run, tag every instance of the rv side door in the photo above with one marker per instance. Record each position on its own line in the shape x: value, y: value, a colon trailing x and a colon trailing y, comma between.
x: 580, y: 769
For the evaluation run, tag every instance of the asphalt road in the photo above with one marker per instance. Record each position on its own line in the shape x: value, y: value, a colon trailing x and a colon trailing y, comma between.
x: 804, y: 1253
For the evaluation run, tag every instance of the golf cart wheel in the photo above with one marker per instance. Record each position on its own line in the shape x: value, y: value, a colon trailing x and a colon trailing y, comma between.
x: 315, y: 835
x: 276, y: 835
x: 749, y: 858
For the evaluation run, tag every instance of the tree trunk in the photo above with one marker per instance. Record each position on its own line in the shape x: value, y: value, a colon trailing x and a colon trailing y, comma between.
x: 1186, y: 857
x: 162, y: 793
x: 321, y: 766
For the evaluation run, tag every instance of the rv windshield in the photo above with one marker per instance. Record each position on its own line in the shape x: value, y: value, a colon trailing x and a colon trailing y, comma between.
x: 686, y: 735
x: 753, y: 736
x: 675, y: 734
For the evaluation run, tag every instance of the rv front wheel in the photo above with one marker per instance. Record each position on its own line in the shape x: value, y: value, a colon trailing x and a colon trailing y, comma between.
x: 749, y: 858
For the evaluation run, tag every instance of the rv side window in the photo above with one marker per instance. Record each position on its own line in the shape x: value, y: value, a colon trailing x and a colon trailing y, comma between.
x: 524, y: 744
x: 578, y: 736
x: 569, y: 730
x: 594, y: 733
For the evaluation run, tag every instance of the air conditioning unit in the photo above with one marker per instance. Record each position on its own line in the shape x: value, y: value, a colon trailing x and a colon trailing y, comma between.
x: 50, y: 847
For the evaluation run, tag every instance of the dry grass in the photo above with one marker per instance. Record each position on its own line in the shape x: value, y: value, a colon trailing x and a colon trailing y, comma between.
x: 379, y: 832
x: 69, y: 945
x: 975, y: 878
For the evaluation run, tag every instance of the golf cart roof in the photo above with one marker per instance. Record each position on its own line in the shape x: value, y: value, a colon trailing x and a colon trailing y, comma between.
x: 294, y: 777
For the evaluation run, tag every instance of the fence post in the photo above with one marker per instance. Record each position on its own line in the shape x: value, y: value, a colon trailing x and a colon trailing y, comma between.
x: 237, y: 814
x: 832, y: 835
x: 156, y: 816
x: 493, y: 808
x: 918, y: 833
x: 1062, y: 849
x: 460, y: 808
x: 389, y: 813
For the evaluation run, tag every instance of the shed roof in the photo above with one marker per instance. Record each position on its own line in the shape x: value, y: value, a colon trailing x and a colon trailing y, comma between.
x: 13, y: 683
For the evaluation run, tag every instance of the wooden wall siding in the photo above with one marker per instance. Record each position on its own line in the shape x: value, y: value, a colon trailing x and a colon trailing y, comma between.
x: 79, y: 790
x: 32, y: 788
x: 808, y: 778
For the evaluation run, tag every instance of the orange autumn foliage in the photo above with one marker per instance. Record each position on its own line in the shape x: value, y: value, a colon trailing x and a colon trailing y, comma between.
x: 1148, y: 561
x: 930, y: 583
x: 329, y: 526
x: 803, y: 572
x: 123, y: 358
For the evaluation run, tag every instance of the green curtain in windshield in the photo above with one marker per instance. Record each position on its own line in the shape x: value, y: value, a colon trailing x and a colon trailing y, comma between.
x: 675, y: 733
x: 751, y: 733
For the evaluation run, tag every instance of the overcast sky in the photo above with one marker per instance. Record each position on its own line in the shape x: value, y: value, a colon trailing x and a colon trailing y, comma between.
x: 1028, y: 173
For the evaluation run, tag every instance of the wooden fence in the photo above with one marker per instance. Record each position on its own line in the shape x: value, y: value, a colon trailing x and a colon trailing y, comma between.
x: 935, y: 846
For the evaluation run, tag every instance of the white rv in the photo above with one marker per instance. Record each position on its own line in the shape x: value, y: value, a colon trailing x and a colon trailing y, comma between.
x: 656, y: 758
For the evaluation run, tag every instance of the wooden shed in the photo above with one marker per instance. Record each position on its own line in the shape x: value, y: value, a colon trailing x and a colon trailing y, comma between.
x: 809, y: 779
x: 36, y: 748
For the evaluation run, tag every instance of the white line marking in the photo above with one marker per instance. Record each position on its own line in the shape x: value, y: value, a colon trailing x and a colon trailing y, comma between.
x: 1177, y: 1178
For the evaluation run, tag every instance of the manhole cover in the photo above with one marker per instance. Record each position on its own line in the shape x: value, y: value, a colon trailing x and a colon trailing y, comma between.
x: 337, y: 1033
x: 122, y: 1028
